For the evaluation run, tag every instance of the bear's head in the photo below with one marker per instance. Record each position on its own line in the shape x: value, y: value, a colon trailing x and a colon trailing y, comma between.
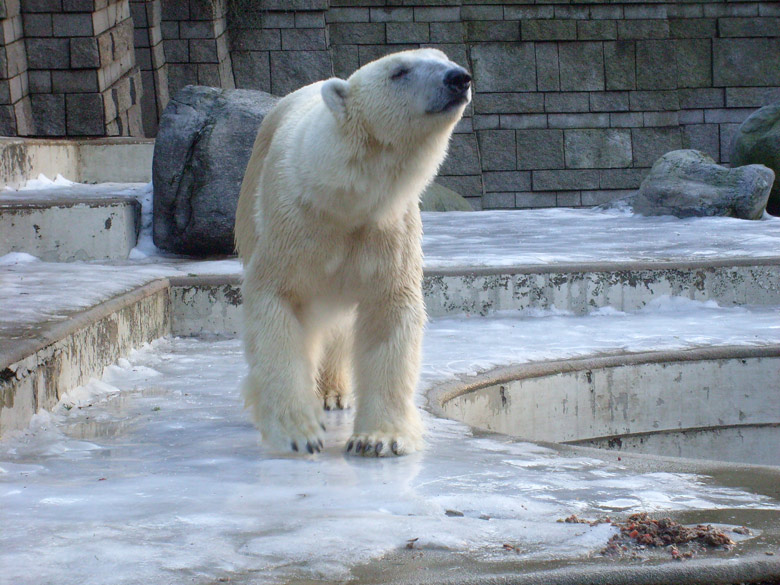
x: 402, y: 96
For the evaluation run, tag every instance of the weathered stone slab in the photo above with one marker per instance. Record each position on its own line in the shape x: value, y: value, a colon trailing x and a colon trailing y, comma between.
x: 597, y: 148
x: 746, y: 62
x: 491, y: 73
x: 200, y: 155
x: 539, y: 148
x: 688, y: 183
x: 758, y: 142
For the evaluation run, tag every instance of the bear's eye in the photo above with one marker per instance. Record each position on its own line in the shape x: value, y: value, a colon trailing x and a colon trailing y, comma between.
x: 399, y: 73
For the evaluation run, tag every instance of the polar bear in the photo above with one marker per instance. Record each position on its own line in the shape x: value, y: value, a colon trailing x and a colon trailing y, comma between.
x: 328, y: 229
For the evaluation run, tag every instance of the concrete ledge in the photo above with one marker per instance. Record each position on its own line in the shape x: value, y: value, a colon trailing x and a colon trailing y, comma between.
x: 67, y: 229
x: 575, y: 288
x: 606, y: 266
x: 206, y: 304
x: 124, y: 160
x: 581, y: 288
x: 58, y: 356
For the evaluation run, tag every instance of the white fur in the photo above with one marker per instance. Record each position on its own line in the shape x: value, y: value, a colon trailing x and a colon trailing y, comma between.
x: 329, y: 230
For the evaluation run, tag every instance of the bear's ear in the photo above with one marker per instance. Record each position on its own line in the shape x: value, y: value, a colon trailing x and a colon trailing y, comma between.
x: 334, y: 93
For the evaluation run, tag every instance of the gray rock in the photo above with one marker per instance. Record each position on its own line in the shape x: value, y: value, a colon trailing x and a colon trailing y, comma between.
x: 439, y: 198
x: 758, y: 142
x: 688, y: 183
x: 200, y: 155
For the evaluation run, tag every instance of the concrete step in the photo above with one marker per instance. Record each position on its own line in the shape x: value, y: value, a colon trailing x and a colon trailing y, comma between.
x: 92, y: 160
x: 65, y: 224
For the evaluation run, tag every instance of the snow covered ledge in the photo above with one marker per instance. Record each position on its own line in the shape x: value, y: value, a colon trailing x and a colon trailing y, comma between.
x: 47, y: 360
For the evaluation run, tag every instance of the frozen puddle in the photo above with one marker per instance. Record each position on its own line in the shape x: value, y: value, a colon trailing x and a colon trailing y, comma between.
x: 154, y: 474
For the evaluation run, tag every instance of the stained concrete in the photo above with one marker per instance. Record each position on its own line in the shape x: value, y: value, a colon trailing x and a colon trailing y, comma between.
x: 580, y: 288
x: 65, y: 229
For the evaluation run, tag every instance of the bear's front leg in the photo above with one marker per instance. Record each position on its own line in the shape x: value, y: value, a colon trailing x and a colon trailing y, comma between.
x: 387, y: 365
x: 280, y: 388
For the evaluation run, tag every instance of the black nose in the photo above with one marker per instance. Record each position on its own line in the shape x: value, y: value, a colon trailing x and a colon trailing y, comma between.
x: 457, y: 80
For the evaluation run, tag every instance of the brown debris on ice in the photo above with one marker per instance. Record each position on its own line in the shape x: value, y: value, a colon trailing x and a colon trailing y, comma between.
x: 639, y: 530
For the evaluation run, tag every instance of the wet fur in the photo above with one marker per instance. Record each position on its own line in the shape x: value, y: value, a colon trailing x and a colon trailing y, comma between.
x: 329, y: 231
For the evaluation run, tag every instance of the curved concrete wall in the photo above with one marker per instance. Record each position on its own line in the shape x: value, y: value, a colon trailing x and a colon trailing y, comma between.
x: 720, y: 403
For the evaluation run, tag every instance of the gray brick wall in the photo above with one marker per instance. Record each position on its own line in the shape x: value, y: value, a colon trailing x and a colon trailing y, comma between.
x: 150, y: 58
x: 15, y: 104
x: 70, y: 68
x: 195, y: 41
x: 279, y: 48
x: 573, y: 101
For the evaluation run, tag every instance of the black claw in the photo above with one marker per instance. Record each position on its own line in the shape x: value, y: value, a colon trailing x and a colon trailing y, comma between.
x: 327, y: 407
x: 319, y: 442
x: 323, y: 425
x: 350, y: 445
x: 309, y: 448
x: 294, y: 446
x: 378, y: 448
x: 359, y: 447
x: 394, y: 447
x: 367, y: 447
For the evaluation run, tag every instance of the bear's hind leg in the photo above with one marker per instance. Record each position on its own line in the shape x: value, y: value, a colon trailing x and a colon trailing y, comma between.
x: 334, y: 381
x: 280, y: 388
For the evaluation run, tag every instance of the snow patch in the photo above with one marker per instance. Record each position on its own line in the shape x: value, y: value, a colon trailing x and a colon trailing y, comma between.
x: 145, y: 246
x: 86, y: 395
x: 44, y: 182
x: 13, y: 258
x: 677, y: 304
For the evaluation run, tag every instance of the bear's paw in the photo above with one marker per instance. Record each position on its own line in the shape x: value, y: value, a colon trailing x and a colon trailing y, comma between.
x: 381, y: 444
x: 296, y: 427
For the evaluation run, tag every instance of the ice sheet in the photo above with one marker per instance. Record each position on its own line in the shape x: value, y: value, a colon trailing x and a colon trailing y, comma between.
x: 544, y: 236
x: 154, y: 474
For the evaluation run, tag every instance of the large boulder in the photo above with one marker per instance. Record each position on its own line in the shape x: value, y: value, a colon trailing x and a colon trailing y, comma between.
x: 688, y: 183
x: 439, y: 198
x: 202, y: 148
x: 758, y: 142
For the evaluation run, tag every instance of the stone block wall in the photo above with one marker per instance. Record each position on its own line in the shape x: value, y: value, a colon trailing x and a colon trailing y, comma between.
x: 279, y: 46
x: 80, y: 68
x: 573, y: 101
x: 15, y: 111
x: 195, y: 39
x: 599, y: 91
x: 150, y: 58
